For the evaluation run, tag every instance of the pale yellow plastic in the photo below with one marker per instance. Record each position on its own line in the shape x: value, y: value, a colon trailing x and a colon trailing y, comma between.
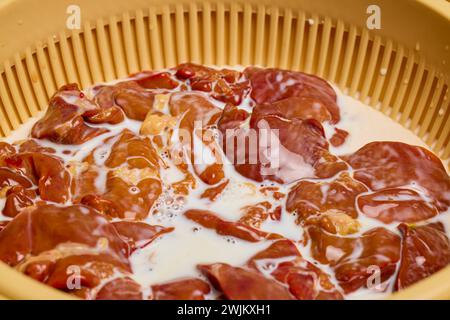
x: 403, y: 69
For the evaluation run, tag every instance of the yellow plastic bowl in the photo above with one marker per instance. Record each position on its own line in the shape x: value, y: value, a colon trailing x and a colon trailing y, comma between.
x: 401, y: 69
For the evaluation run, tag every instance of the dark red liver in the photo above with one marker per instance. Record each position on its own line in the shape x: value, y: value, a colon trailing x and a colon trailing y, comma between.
x: 243, y: 284
x: 132, y: 182
x: 272, y: 85
x: 396, y: 205
x: 286, y: 265
x: 235, y: 229
x: 66, y: 122
x: 185, y: 289
x: 310, y: 198
x: 351, y: 257
x: 382, y: 165
x: 425, y: 250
